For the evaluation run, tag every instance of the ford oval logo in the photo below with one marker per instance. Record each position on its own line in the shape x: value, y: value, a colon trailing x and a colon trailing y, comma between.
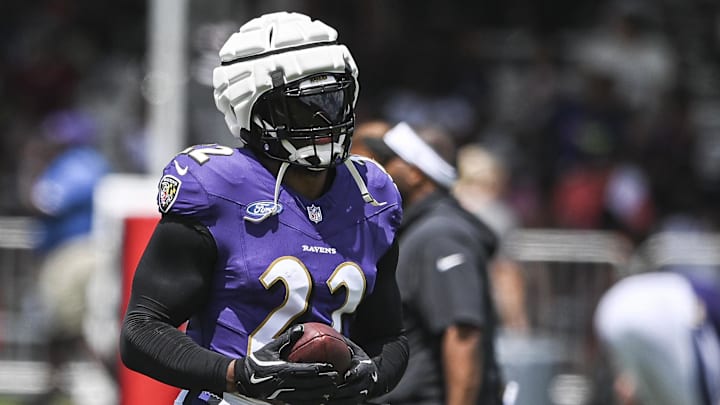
x: 260, y: 209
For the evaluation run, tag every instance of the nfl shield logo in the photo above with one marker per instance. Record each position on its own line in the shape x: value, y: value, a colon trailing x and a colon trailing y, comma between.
x: 314, y: 213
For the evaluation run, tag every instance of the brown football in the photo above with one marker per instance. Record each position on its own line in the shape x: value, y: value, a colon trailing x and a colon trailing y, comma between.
x: 321, y: 343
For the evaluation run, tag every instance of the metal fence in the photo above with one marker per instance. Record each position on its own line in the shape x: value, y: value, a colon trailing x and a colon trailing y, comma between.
x: 17, y: 275
x: 556, y: 360
x: 24, y: 371
x: 22, y: 347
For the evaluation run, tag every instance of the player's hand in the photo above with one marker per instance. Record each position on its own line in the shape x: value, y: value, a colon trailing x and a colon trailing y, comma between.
x: 265, y: 375
x: 359, y: 379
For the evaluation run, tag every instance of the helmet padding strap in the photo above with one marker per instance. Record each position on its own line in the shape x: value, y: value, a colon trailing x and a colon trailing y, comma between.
x: 367, y: 197
x: 276, y: 196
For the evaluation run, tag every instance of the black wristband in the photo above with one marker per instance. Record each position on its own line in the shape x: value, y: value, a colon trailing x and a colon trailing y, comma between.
x: 237, y: 375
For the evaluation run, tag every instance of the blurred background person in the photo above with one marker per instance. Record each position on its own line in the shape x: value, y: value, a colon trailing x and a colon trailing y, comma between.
x: 442, y: 275
x: 661, y: 330
x: 367, y: 129
x: 626, y: 44
x: 62, y: 168
x: 481, y: 189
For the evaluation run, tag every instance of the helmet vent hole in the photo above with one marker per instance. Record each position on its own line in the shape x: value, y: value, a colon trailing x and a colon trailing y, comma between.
x: 278, y: 78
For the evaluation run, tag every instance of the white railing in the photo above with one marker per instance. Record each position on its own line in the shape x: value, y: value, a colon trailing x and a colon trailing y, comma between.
x: 563, y: 274
x: 17, y: 274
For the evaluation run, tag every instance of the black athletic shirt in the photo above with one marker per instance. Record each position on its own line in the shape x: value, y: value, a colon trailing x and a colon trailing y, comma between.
x: 443, y: 279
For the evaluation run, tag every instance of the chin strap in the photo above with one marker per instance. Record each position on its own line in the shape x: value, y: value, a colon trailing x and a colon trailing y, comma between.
x: 281, y: 173
x: 367, y: 197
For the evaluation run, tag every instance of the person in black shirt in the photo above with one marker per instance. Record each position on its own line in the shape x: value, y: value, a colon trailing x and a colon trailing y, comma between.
x: 442, y: 274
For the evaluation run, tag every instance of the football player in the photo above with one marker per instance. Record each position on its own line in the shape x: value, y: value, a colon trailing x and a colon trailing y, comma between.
x: 286, y: 229
x: 661, y: 331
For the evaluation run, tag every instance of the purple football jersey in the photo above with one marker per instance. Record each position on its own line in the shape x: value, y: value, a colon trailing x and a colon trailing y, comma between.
x: 314, y: 260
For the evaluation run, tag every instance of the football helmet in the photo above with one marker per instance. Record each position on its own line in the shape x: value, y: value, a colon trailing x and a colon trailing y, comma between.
x: 288, y: 89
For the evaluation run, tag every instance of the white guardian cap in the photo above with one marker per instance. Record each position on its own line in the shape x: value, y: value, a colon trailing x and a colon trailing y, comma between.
x: 288, y: 89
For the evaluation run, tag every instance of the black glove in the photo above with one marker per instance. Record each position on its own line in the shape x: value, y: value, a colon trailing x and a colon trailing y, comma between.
x: 359, y: 379
x: 265, y: 375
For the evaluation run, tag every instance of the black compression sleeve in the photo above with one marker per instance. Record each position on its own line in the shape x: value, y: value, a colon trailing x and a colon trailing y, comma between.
x: 172, y: 281
x: 378, y: 327
x: 391, y: 364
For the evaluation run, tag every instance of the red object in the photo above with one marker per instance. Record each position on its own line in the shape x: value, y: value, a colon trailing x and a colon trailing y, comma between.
x: 579, y: 198
x: 136, y: 388
x: 321, y: 344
